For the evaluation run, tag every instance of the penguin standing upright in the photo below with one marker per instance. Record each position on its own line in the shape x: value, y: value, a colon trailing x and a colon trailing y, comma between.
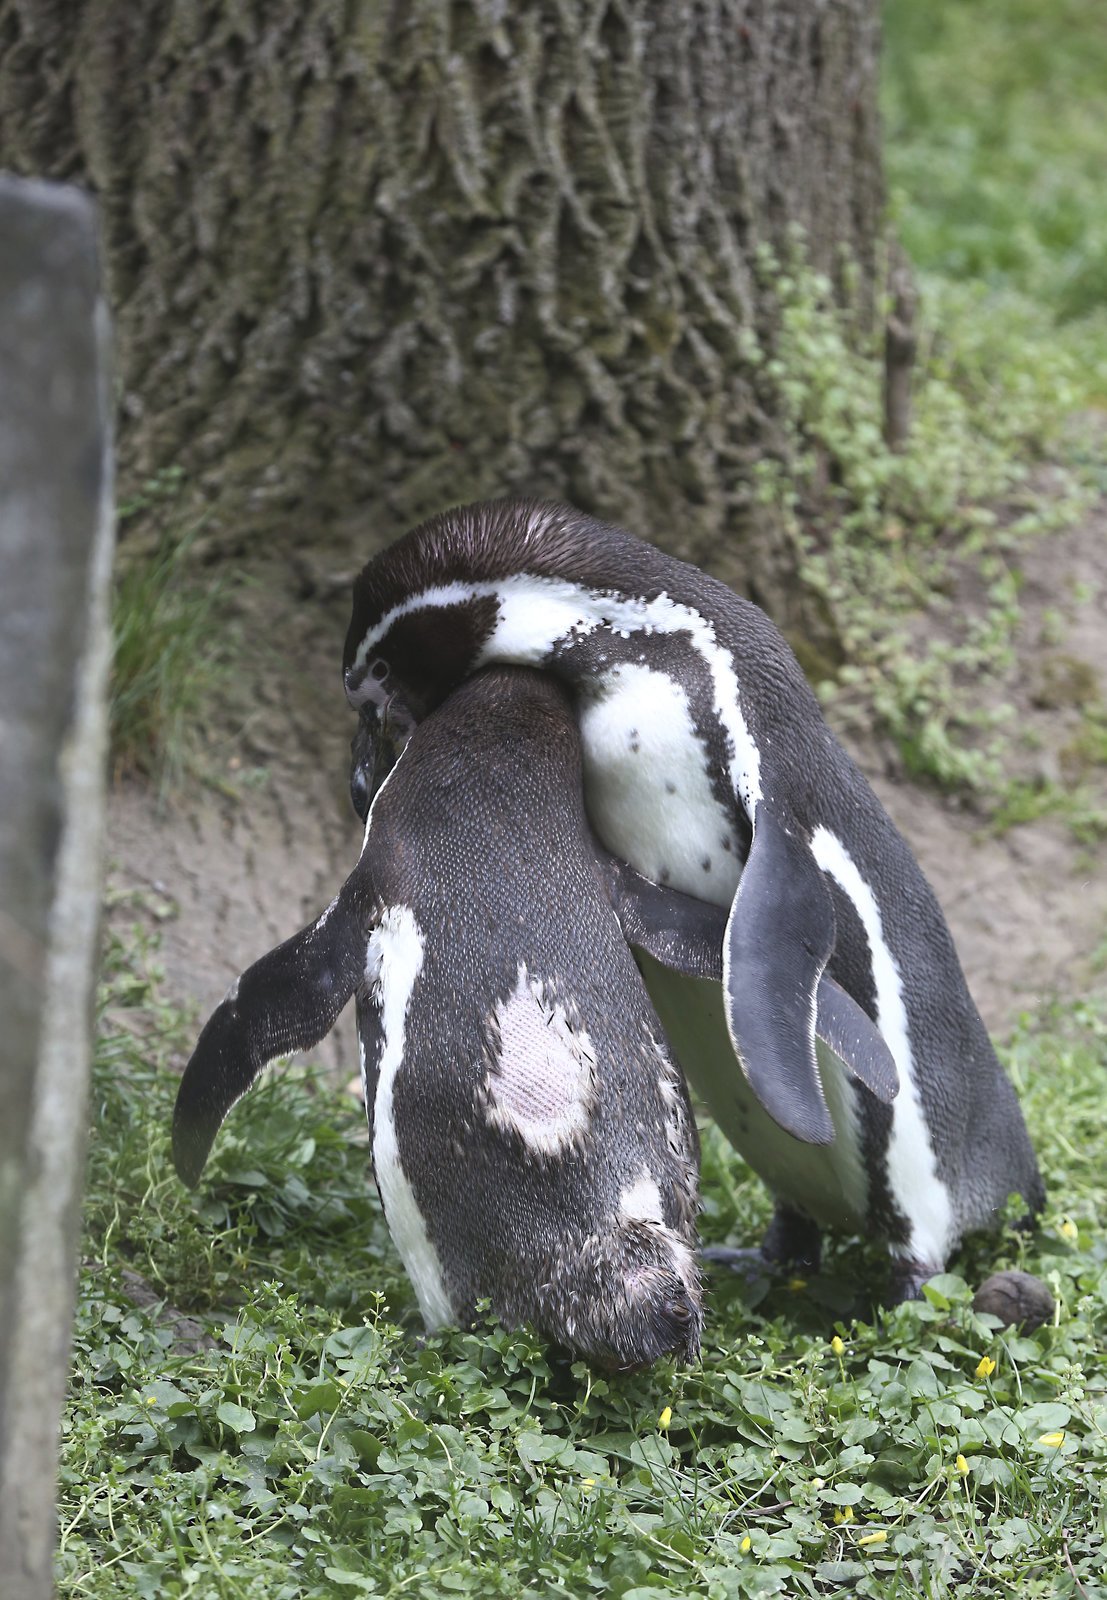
x: 708, y: 767
x: 532, y: 1139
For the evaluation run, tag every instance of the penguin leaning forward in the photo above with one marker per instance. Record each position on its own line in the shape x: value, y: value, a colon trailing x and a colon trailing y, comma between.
x: 708, y: 767
x: 532, y: 1139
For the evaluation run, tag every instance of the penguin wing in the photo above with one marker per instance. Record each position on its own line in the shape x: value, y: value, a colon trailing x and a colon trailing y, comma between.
x: 687, y: 935
x: 855, y: 1039
x: 287, y: 1001
x: 779, y: 938
x: 678, y: 930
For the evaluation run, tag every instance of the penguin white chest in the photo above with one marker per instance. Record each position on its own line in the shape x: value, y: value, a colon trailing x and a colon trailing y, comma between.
x: 827, y: 1182
x: 647, y: 788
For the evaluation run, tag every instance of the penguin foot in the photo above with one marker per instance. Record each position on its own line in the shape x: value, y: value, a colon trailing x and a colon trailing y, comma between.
x: 749, y: 1263
x: 793, y: 1240
x: 908, y: 1277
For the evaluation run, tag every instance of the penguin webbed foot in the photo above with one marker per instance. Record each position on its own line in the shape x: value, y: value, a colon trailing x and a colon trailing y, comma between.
x: 907, y: 1279
x: 792, y: 1242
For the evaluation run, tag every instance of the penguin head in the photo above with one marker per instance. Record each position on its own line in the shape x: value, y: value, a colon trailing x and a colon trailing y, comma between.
x: 424, y: 608
x: 629, y: 1297
x: 404, y: 665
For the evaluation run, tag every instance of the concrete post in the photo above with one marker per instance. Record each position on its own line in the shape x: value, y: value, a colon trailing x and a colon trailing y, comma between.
x: 55, y: 559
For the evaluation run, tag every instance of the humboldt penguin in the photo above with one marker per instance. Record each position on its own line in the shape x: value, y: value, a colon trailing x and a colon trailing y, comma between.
x: 532, y: 1139
x: 709, y: 768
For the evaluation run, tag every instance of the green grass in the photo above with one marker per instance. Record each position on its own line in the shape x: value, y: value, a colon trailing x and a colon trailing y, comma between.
x: 169, y: 651
x: 994, y: 150
x: 320, y: 1448
x: 993, y: 113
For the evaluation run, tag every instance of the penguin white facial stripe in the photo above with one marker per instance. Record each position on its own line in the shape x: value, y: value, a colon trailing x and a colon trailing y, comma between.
x: 443, y: 594
x: 543, y: 1082
x: 536, y: 613
x: 912, y: 1166
x: 626, y: 616
x: 396, y: 955
x: 646, y: 781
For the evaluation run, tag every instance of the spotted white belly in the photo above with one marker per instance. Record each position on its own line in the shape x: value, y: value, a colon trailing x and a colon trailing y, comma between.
x: 646, y: 785
x: 828, y: 1182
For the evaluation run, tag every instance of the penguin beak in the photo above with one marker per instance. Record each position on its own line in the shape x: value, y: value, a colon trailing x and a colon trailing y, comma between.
x: 375, y: 748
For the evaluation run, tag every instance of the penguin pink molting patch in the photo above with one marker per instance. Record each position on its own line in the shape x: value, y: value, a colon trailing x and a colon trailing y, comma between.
x: 543, y: 1080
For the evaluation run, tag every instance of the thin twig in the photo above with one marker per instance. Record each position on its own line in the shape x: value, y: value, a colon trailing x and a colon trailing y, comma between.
x: 1068, y: 1562
x: 768, y: 1511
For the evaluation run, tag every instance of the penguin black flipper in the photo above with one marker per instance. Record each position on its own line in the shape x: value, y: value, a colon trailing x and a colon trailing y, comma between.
x: 678, y: 930
x: 779, y: 938
x: 287, y: 1001
x: 855, y: 1039
x: 687, y: 935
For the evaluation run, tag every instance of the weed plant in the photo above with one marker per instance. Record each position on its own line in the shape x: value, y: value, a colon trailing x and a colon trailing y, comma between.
x: 297, y: 1438
x: 994, y: 150
x: 167, y: 658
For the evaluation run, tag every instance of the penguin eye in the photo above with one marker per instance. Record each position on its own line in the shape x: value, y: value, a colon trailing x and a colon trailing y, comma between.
x: 379, y: 670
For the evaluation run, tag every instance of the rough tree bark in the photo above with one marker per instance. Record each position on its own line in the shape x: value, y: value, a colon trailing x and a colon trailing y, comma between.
x: 369, y: 259
x: 55, y: 556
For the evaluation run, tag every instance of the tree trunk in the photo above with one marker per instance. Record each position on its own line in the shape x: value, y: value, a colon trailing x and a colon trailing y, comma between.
x: 368, y: 260
x: 55, y: 556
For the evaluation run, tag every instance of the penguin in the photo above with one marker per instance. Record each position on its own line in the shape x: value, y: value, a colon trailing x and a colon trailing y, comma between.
x: 709, y: 769
x: 532, y: 1139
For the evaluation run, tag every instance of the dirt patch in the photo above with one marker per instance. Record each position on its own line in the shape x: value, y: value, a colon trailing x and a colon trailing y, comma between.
x: 231, y: 867
x: 1028, y: 909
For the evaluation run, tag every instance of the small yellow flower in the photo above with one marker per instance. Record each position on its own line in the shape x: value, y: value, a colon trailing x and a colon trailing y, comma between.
x: 1052, y: 1441
x: 817, y: 1483
x: 844, y: 1514
x: 1068, y: 1229
x: 665, y: 1418
x: 796, y: 1284
x: 151, y: 1399
x: 873, y: 1538
x: 985, y: 1367
x: 746, y: 1545
x: 962, y: 1466
x: 837, y: 1346
x: 588, y: 1483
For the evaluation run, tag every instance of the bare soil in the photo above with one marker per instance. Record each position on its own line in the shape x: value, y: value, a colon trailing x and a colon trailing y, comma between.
x: 233, y: 865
